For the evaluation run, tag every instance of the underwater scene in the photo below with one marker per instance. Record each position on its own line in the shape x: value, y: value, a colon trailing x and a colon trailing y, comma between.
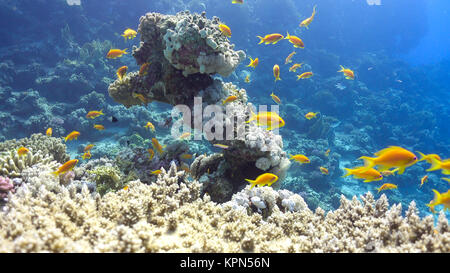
x: 224, y: 126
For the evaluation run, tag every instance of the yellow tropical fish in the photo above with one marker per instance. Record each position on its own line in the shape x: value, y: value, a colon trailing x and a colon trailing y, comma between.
x: 140, y: 97
x: 423, y: 180
x: 324, y: 170
x: 73, y: 135
x: 99, y: 127
x: 158, y: 147
x: 297, y: 42
x: 247, y: 78
x: 94, y: 114
x: 368, y: 175
x: 263, y: 179
x: 428, y: 157
x: 305, y: 75
x: 88, y: 147
x: 327, y: 152
x: 229, y: 99
x: 143, y: 69
x: 440, y: 165
x: 269, y: 119
x: 86, y: 155
x: 253, y: 63
x: 151, y: 153
x: 225, y: 30
x: 22, y: 151
x: 68, y: 166
x: 49, y: 132
x: 275, y: 98
x: 389, y: 172
x: 126, y: 188
x: 222, y: 146
x: 156, y: 172
x: 307, y: 21
x: 392, y: 157
x: 237, y: 1
x: 116, y: 53
x: 129, y: 34
x: 121, y: 72
x: 276, y: 72
x: 302, y: 159
x: 348, y: 73
x: 440, y: 199
x: 289, y: 57
x: 186, y: 135
x: 311, y: 115
x: 294, y: 67
x: 150, y: 126
x: 270, y: 38
x: 386, y: 186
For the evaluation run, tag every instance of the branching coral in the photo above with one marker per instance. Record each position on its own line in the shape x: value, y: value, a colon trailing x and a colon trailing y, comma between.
x: 11, y: 164
x: 170, y: 216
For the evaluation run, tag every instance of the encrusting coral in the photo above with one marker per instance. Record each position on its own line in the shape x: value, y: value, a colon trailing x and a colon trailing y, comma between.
x: 170, y: 216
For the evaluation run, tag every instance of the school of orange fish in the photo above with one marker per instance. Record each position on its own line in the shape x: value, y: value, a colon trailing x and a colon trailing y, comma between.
x: 388, y: 161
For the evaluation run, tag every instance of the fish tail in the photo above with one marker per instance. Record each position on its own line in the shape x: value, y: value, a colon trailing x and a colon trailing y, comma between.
x: 369, y: 162
x: 401, y: 170
x: 435, y: 165
x: 262, y: 40
x: 314, y: 10
x: 125, y: 51
x: 342, y: 68
x: 349, y: 172
x: 287, y: 35
x: 252, y: 182
x: 422, y: 156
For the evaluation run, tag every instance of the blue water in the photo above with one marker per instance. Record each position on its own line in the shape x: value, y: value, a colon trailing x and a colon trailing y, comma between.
x: 52, y: 58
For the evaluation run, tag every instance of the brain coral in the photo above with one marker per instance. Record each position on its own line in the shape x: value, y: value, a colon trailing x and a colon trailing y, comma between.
x: 170, y: 216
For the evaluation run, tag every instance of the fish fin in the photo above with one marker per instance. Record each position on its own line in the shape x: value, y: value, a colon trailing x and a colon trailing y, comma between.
x: 262, y: 39
x: 367, y: 180
x: 368, y: 162
x: 125, y: 51
x: 401, y: 170
x: 287, y: 36
x: 342, y: 68
x: 349, y: 172
x: 435, y: 165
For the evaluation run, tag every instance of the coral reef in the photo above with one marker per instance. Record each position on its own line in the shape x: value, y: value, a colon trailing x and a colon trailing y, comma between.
x: 6, y: 186
x: 12, y: 165
x: 170, y: 216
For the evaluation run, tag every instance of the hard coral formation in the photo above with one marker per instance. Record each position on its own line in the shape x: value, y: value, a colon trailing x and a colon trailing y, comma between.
x: 12, y: 165
x: 170, y: 216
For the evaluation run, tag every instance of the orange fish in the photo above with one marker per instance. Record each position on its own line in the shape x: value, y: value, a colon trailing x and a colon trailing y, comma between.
x: 307, y: 21
x: 143, y: 69
x: 129, y: 34
x: 158, y: 147
x: 348, y: 73
x: 222, y: 146
x: 73, y: 135
x: 289, y: 57
x: 121, y: 72
x: 443, y: 165
x: 156, y: 172
x: 247, y: 78
x: 140, y: 97
x: 392, y: 157
x: 186, y: 135
x: 297, y: 42
x: 116, y: 53
x: 311, y: 115
x: 362, y: 173
x: 324, y: 170
x: 126, y: 188
x: 263, y: 179
x: 428, y: 157
x: 68, y: 166
x: 270, y: 38
x: 151, y: 153
x: 440, y: 199
x: 86, y: 155
x: 186, y: 156
x: 275, y: 98
x: 88, y: 147
x: 423, y: 180
x: 302, y: 159
x: 294, y: 67
x: 237, y: 1
x: 225, y: 30
x: 327, y: 153
x: 305, y: 75
x: 386, y: 186
x: 229, y: 99
x: 99, y: 127
x: 276, y: 72
x: 49, y: 132
x: 253, y: 63
x: 22, y: 151
x: 94, y: 114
